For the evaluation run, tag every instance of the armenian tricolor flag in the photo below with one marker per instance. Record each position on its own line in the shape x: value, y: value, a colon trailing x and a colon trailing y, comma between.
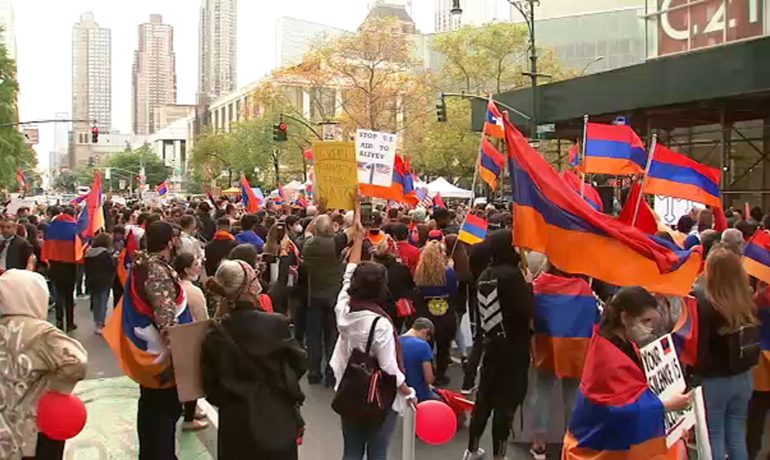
x: 676, y: 175
x: 685, y: 333
x: 590, y: 194
x: 250, y: 200
x: 576, y: 239
x: 91, y: 218
x: 78, y: 199
x: 574, y: 156
x: 163, y: 188
x: 491, y: 163
x: 493, y: 124
x: 566, y: 312
x: 401, y: 189
x: 473, y: 230
x: 136, y: 342
x: 756, y: 256
x: 613, y: 149
x: 616, y: 415
x: 62, y: 241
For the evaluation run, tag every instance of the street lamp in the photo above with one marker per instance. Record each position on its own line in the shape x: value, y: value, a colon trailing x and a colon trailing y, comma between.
x: 590, y: 63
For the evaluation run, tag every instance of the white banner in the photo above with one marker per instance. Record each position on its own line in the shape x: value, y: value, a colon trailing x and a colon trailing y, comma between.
x: 666, y: 379
x: 375, y: 155
x: 671, y: 209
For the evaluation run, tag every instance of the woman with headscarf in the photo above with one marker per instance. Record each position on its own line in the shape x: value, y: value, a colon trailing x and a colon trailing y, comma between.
x: 53, y: 361
x: 250, y: 367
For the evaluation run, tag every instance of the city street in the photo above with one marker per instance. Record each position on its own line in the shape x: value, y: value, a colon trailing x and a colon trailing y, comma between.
x: 111, y: 429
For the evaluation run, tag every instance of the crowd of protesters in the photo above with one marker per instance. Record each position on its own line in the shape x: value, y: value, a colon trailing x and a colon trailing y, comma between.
x: 300, y: 292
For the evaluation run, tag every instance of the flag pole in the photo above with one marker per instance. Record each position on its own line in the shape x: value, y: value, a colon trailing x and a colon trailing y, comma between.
x: 583, y: 157
x: 653, y: 144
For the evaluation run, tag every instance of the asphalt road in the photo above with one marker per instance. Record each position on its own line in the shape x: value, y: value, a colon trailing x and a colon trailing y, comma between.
x: 111, y: 400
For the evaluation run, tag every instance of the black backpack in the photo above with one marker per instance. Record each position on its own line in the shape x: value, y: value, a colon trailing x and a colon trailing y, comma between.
x: 365, y: 393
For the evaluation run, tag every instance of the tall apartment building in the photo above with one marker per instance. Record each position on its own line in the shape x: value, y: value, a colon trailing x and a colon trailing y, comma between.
x: 8, y: 23
x: 154, y: 73
x: 295, y: 37
x: 91, y: 84
x: 475, y: 13
x: 217, y: 50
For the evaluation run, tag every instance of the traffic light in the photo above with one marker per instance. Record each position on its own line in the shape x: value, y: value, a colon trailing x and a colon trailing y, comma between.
x: 441, y: 110
x: 94, y: 135
x: 280, y: 132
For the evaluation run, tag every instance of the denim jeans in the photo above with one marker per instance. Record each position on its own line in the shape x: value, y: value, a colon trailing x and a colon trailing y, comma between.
x: 320, y: 335
x: 372, y: 441
x: 99, y: 299
x: 540, y: 399
x: 727, y: 406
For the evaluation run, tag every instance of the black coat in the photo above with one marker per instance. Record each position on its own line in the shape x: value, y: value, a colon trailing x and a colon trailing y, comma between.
x: 215, y: 251
x: 100, y: 268
x: 253, y: 378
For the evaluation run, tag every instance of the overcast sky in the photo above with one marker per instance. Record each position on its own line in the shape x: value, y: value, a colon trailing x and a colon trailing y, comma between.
x: 44, y: 46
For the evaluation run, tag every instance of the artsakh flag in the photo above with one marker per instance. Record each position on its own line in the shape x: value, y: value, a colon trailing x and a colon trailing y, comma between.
x: 491, y: 163
x: 493, y: 124
x: 577, y: 239
x: 677, y: 175
x: 613, y: 149
x: 566, y: 312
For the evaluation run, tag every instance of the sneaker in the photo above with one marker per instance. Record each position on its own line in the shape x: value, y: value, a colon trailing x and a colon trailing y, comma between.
x: 537, y: 452
x: 477, y: 455
x: 195, y: 425
x: 469, y: 385
x: 199, y: 414
x: 98, y: 330
x: 71, y: 327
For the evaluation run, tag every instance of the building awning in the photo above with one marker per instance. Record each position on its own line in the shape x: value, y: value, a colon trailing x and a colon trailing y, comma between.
x: 697, y: 88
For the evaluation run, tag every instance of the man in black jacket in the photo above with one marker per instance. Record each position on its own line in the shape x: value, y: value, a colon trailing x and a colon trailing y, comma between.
x: 15, y: 252
x: 208, y: 227
x: 220, y: 246
x: 506, y: 306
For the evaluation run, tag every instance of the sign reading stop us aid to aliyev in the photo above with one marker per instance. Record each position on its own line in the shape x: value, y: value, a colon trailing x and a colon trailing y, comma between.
x: 375, y: 154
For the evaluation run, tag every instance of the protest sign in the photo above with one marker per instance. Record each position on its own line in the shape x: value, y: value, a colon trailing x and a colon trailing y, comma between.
x: 186, y: 341
x: 666, y: 379
x: 670, y: 209
x: 375, y: 154
x: 335, y: 173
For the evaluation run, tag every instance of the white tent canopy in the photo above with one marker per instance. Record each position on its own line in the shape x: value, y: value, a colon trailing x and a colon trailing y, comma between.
x: 448, y: 190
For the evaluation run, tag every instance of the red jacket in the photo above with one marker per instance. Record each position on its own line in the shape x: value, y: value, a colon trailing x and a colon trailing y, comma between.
x: 409, y: 254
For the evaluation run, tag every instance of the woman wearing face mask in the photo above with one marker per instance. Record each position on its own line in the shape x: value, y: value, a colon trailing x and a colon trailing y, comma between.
x: 615, y: 411
x: 189, y: 268
x: 728, y: 347
x: 250, y: 367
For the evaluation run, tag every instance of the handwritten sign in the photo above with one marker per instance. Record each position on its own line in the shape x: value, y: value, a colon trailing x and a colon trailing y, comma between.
x: 671, y: 209
x: 666, y: 379
x: 375, y: 154
x: 335, y: 173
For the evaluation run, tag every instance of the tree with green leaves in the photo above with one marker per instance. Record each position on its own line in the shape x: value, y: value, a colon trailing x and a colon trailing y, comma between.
x: 128, y: 164
x: 66, y: 182
x: 14, y: 152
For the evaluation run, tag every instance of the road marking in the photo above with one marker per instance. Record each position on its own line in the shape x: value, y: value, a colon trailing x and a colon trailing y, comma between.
x: 211, y: 413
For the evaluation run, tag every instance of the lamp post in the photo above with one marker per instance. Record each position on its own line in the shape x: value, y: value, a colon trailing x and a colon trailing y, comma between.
x: 527, y: 10
x: 590, y: 63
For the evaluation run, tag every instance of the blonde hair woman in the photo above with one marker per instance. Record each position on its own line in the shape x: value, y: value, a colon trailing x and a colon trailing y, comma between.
x: 436, y: 282
x: 728, y: 347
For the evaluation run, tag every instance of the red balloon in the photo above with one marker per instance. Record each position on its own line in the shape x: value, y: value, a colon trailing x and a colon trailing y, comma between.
x: 436, y: 422
x: 60, y: 416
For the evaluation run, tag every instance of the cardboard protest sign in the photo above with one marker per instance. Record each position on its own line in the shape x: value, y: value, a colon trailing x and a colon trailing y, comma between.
x: 186, y: 341
x: 375, y: 154
x: 666, y: 379
x: 336, y: 179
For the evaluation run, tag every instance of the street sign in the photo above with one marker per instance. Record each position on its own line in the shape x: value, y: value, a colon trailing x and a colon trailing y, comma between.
x: 546, y: 128
x: 31, y: 135
x: 122, y: 184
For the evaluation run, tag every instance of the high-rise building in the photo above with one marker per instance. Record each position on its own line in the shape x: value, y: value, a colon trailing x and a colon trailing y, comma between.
x: 217, y: 50
x: 7, y: 22
x: 475, y: 13
x: 91, y: 84
x: 295, y: 37
x: 154, y: 73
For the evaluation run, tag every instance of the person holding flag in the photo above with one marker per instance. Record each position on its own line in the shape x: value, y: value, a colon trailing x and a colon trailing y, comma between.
x: 163, y: 188
x: 63, y: 251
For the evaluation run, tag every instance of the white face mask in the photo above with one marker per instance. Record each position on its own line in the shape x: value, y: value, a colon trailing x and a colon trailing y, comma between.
x: 640, y: 334
x: 297, y: 228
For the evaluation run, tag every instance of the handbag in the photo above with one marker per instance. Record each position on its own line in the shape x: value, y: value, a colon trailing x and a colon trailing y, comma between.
x: 365, y: 393
x: 405, y: 308
x: 287, y: 424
